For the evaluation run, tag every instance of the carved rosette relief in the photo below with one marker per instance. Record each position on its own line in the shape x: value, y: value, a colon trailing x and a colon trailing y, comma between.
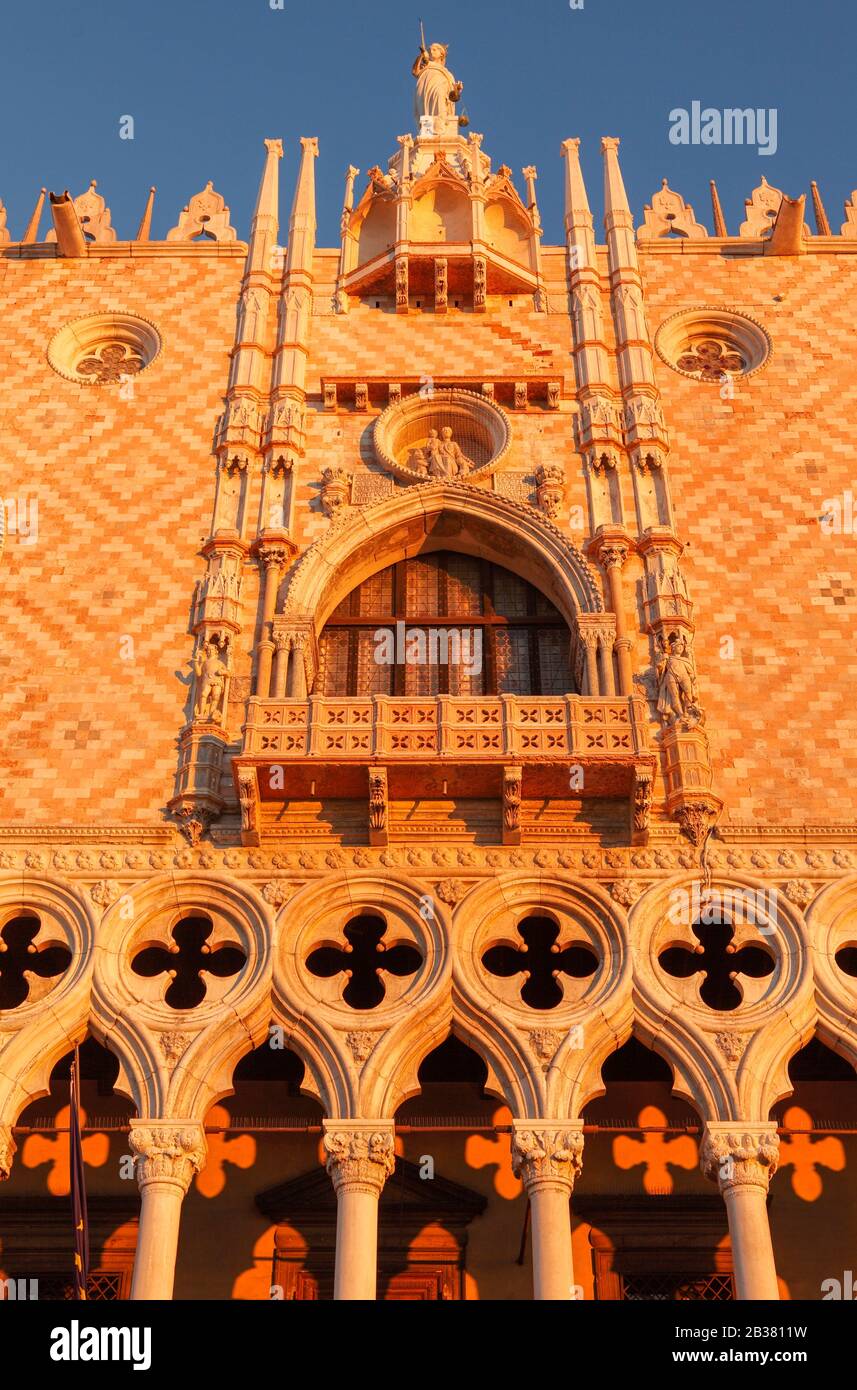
x: 167, y: 1153
x: 742, y: 1156
x: 547, y: 1154
x: 361, y: 1157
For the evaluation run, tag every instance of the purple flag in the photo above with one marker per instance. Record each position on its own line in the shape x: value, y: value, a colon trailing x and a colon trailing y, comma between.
x: 78, y: 1185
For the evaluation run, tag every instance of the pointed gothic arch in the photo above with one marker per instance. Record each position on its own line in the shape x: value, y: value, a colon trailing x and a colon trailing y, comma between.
x: 441, y: 516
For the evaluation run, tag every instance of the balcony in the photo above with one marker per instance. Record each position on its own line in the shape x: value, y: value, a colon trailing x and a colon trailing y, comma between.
x: 508, y: 728
x: 506, y: 748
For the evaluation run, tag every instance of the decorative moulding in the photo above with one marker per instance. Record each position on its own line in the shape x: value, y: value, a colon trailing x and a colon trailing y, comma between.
x: 104, y: 349
x: 703, y: 337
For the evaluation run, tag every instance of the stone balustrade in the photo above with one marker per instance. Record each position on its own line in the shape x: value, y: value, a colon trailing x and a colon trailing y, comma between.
x: 446, y: 726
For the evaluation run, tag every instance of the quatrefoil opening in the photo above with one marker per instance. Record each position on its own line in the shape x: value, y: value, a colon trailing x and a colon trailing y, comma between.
x: 541, y: 961
x: 187, y: 960
x: 363, y: 959
x: 28, y: 971
x: 720, y: 962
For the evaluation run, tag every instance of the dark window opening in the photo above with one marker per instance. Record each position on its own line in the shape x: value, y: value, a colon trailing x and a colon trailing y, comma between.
x: 445, y: 624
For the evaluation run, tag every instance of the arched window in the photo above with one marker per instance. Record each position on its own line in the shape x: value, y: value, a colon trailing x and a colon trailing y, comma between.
x: 445, y: 624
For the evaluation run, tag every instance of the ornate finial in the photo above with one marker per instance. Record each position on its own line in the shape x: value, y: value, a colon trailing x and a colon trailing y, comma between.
x: 145, y: 227
x: 32, y: 231
x: 822, y: 226
x: 719, y: 220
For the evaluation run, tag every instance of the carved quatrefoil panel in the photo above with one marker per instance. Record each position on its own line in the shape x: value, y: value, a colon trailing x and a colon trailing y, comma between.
x: 104, y: 349
x: 712, y: 345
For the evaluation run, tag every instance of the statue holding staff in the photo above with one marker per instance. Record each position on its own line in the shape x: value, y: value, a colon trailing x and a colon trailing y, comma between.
x: 437, y: 90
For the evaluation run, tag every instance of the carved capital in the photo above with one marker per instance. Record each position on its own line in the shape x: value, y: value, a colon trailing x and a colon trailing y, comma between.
x: 613, y: 556
x: 696, y: 819
x: 7, y: 1151
x: 168, y: 1153
x: 272, y: 556
x: 360, y: 1154
x: 547, y: 1151
x: 739, y: 1155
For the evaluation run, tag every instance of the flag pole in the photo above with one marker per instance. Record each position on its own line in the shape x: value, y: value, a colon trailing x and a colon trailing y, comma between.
x: 78, y: 1185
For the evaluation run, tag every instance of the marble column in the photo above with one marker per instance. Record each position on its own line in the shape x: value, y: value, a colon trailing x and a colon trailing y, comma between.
x: 297, y: 667
x: 742, y: 1159
x: 547, y: 1156
x: 167, y: 1156
x: 590, y: 646
x: 279, y: 680
x: 613, y: 557
x: 272, y: 559
x: 360, y: 1158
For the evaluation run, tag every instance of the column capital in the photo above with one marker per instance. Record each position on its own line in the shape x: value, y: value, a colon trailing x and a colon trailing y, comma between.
x: 736, y: 1155
x: 360, y: 1154
x: 7, y: 1151
x: 547, y: 1151
x: 275, y: 548
x: 610, y: 546
x: 167, y: 1151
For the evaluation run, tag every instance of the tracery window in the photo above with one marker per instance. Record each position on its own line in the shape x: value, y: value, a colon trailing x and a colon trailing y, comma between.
x: 445, y: 624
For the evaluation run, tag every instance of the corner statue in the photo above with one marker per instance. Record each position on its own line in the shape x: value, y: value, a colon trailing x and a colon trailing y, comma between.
x: 437, y: 90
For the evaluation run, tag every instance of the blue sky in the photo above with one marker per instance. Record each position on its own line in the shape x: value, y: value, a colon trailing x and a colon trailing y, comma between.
x: 207, y: 80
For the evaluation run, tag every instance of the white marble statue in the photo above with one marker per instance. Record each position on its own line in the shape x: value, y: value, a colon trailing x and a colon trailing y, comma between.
x: 437, y: 90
